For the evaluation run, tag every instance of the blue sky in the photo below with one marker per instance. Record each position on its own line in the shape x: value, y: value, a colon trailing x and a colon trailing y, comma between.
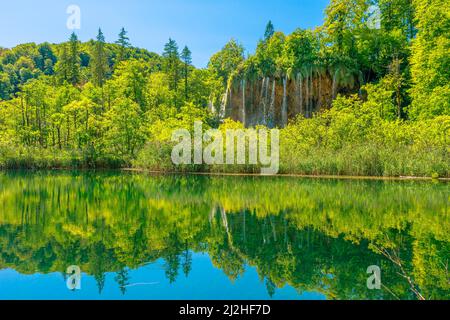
x: 204, y: 25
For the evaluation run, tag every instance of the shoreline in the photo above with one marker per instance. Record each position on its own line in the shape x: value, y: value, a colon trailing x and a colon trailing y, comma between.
x: 225, y: 174
x: 286, y: 175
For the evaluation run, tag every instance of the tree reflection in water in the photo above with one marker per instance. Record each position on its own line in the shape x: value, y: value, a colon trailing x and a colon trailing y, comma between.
x: 313, y: 235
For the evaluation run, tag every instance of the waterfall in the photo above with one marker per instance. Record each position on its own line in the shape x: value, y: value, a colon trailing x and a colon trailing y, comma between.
x: 320, y: 92
x: 301, y: 92
x: 307, y: 95
x: 223, y: 107
x: 296, y: 91
x: 272, y: 106
x: 284, y: 111
x: 334, y: 91
x: 230, y: 99
x: 265, y: 99
x: 262, y: 102
x: 243, y: 102
x: 311, y: 91
x: 211, y: 106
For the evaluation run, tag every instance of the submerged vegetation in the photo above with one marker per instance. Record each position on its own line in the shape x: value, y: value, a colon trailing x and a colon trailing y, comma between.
x: 367, y: 93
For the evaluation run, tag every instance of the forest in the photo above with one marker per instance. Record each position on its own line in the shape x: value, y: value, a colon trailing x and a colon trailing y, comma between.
x: 367, y: 93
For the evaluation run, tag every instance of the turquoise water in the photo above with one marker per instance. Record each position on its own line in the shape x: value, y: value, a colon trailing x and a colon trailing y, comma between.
x: 148, y: 283
x: 137, y: 236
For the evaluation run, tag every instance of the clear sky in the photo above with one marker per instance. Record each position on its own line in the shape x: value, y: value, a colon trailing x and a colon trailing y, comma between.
x: 204, y: 25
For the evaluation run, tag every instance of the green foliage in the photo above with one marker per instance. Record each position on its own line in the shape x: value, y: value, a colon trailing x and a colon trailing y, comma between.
x: 99, y: 61
x: 356, y: 138
x: 90, y: 104
x: 186, y: 58
x: 430, y: 60
x: 353, y: 138
x: 99, y: 100
x: 270, y: 30
x: 343, y: 17
x: 123, y: 125
x: 172, y: 67
x: 226, y: 61
x: 313, y: 235
x: 123, y: 42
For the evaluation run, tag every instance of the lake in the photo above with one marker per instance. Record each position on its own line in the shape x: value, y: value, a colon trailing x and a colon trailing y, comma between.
x: 140, y: 236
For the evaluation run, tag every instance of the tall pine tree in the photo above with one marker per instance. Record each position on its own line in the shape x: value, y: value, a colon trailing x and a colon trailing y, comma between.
x: 74, y: 62
x: 186, y: 57
x: 172, y: 66
x: 99, y: 62
x: 270, y: 30
x: 62, y: 66
x: 124, y: 43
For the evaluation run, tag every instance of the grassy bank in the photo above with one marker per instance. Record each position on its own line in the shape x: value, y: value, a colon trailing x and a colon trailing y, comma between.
x: 49, y: 158
x: 345, y: 142
x: 351, y: 139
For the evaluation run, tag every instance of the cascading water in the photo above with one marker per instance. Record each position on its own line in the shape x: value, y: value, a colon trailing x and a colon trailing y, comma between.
x: 272, y: 101
x: 319, y: 104
x: 301, y: 92
x: 271, y: 121
x: 307, y: 95
x: 311, y: 91
x: 223, y: 107
x: 284, y: 111
x: 262, y: 102
x: 231, y: 100
x: 334, y: 90
x: 211, y: 107
x: 266, y: 99
x: 296, y: 91
x: 243, y: 103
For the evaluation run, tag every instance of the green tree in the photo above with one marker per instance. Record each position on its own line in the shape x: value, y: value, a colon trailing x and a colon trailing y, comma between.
x: 398, y: 15
x: 62, y: 66
x: 99, y: 61
x: 5, y: 86
x: 73, y: 60
x: 270, y: 30
x: 172, y: 66
x: 187, y: 61
x: 130, y: 80
x: 124, y: 43
x: 343, y: 17
x: 430, y: 60
x: 123, y: 128
x: 227, y: 60
x: 46, y: 59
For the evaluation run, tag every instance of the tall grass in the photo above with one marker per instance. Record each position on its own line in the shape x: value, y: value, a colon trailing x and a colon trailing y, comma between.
x: 42, y: 158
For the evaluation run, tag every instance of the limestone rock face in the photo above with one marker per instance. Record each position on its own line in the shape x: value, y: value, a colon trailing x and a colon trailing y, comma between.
x: 273, y: 101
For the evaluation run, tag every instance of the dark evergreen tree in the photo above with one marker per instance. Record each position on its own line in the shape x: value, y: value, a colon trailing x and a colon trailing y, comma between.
x: 270, y: 30
x: 74, y: 75
x: 99, y: 62
x: 186, y: 57
x: 46, y: 59
x: 63, y: 64
x: 171, y: 66
x: 124, y: 43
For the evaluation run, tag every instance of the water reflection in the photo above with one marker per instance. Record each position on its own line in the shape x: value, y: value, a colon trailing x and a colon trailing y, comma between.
x: 309, y: 235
